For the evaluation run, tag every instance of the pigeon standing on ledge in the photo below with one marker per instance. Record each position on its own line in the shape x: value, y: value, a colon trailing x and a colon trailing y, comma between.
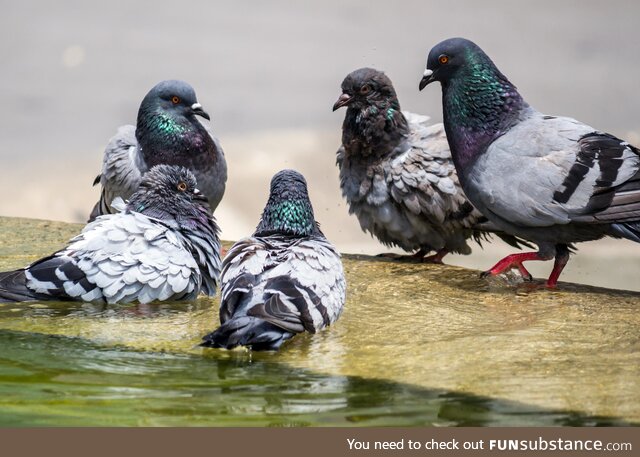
x: 167, y: 132
x: 397, y: 175
x: 285, y: 279
x: 551, y: 180
x: 163, y: 245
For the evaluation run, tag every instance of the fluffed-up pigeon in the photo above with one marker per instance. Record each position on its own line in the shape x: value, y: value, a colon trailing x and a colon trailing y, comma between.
x: 162, y: 245
x: 397, y: 175
x: 285, y: 279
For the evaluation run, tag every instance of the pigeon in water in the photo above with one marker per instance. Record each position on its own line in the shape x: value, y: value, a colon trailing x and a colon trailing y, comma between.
x: 551, y: 180
x: 285, y: 279
x: 163, y: 245
x: 397, y: 175
x: 167, y: 132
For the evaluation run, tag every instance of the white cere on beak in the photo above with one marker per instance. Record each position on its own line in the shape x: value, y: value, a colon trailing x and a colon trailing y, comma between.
x: 427, y: 73
x: 196, y: 191
x: 196, y: 106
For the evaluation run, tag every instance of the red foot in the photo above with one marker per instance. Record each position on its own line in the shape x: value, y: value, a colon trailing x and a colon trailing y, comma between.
x: 437, y: 257
x: 562, y: 257
x: 513, y: 261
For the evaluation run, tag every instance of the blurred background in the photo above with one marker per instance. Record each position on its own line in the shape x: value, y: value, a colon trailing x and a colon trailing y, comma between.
x: 269, y: 72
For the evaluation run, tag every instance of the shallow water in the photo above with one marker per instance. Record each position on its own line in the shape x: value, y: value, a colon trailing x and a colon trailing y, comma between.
x: 53, y: 380
x: 416, y: 345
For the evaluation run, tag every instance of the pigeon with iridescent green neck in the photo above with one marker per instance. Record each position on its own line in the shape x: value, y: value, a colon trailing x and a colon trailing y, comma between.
x: 397, y: 175
x: 167, y: 132
x: 285, y: 279
x: 548, y: 179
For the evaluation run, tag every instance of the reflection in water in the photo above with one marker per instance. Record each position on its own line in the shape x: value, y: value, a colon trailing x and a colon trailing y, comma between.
x: 101, y: 310
x: 53, y: 380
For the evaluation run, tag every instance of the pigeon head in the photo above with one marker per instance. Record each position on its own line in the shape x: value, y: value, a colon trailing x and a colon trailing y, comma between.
x: 373, y: 124
x: 167, y: 129
x: 288, y: 210
x: 479, y: 102
x: 174, y: 97
x: 168, y: 191
x: 449, y: 56
x: 365, y: 88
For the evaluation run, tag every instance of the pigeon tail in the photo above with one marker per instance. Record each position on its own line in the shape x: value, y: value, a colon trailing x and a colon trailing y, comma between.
x: 628, y: 230
x: 13, y: 287
x: 247, y: 331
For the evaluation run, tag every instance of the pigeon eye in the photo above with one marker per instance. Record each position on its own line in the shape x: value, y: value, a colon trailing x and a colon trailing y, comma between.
x: 365, y: 89
x: 175, y: 99
x: 443, y: 59
x: 182, y: 186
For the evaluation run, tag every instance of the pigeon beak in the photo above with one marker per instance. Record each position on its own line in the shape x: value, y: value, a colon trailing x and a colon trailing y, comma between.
x: 427, y: 78
x: 343, y: 100
x: 198, y: 111
x: 196, y: 192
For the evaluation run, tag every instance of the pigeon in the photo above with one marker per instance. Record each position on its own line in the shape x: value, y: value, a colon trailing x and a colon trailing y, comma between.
x: 162, y: 245
x: 548, y: 179
x: 284, y: 279
x: 397, y: 175
x: 167, y: 132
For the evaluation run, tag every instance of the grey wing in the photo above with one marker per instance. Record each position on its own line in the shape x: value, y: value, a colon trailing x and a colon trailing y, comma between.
x: 121, y: 259
x: 307, y: 291
x: 241, y: 268
x: 122, y: 169
x: 565, y: 172
x: 295, y: 287
x: 423, y: 179
x: 615, y: 194
x: 212, y: 181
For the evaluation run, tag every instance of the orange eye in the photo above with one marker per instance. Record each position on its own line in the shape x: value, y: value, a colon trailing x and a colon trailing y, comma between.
x: 175, y: 100
x: 182, y: 186
x: 365, y: 89
x: 443, y: 59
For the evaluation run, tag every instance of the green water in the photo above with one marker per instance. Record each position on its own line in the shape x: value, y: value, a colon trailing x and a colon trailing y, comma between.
x: 53, y: 380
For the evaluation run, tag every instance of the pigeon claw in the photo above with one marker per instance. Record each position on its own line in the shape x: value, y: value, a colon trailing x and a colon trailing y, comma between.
x: 437, y: 257
x: 510, y: 262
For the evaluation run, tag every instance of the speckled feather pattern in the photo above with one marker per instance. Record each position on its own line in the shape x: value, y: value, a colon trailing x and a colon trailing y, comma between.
x: 408, y: 194
x: 166, y: 250
x: 285, y: 279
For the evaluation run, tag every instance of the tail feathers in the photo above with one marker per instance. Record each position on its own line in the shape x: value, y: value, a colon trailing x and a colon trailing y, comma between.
x: 514, y: 241
x: 484, y: 227
x: 13, y: 287
x: 247, y: 331
x: 629, y: 230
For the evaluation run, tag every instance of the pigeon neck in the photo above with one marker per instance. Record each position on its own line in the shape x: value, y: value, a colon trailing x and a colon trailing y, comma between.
x: 288, y: 217
x: 164, y: 205
x: 167, y: 138
x: 480, y: 104
x: 374, y: 130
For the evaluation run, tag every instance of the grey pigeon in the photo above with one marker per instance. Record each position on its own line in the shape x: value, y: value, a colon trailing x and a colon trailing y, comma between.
x: 167, y: 132
x: 163, y: 245
x: 551, y: 180
x: 397, y: 175
x: 285, y: 279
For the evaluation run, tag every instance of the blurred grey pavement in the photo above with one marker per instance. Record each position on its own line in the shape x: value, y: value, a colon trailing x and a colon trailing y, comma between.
x: 269, y: 72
